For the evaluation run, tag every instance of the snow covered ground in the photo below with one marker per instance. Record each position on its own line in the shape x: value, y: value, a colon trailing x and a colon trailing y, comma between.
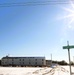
x: 58, y: 70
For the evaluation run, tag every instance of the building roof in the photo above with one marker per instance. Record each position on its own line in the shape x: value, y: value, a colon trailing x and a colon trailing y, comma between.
x: 22, y: 57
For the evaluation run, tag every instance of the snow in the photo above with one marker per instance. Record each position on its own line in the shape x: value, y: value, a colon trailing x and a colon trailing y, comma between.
x: 58, y: 70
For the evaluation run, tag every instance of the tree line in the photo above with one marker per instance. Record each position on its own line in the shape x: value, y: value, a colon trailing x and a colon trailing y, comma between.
x: 63, y: 62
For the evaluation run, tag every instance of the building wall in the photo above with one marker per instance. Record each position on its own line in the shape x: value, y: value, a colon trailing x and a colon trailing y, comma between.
x: 48, y: 62
x: 23, y: 61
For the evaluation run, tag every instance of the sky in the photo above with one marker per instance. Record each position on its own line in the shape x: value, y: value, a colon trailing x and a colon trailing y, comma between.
x: 36, y: 30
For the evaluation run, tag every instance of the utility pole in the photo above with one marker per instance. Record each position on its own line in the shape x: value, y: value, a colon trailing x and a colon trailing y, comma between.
x: 69, y: 57
x: 73, y: 59
x: 51, y: 60
x: 69, y: 47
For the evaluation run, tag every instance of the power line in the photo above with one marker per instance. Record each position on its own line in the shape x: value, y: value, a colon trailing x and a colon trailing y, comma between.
x: 33, y: 3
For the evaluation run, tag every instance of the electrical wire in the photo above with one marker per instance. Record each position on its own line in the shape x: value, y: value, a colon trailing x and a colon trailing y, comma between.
x: 33, y: 3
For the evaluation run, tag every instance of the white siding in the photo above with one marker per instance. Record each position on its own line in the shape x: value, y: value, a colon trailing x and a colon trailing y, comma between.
x: 23, y: 61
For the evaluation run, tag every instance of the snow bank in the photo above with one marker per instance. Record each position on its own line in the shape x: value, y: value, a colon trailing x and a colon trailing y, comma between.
x: 17, y: 70
x: 58, y: 70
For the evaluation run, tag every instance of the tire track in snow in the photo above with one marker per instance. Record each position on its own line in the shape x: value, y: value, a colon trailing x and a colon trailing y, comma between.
x: 47, y: 71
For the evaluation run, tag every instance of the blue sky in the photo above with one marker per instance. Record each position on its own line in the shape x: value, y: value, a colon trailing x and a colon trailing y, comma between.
x: 36, y: 30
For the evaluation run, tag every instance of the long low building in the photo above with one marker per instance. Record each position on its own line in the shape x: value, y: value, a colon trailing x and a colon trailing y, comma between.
x: 23, y: 61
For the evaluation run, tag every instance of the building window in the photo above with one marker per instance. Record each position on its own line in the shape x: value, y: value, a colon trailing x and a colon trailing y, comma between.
x: 36, y: 63
x: 20, y: 59
x: 23, y: 62
x: 42, y: 62
x: 12, y: 62
x: 35, y: 59
x: 42, y: 59
x: 29, y: 62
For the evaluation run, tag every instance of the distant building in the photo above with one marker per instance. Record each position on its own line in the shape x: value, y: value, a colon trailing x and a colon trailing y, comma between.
x: 23, y: 61
x: 48, y: 62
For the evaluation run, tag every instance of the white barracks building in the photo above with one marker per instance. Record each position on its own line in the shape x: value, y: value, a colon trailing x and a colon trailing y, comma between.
x: 23, y: 61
